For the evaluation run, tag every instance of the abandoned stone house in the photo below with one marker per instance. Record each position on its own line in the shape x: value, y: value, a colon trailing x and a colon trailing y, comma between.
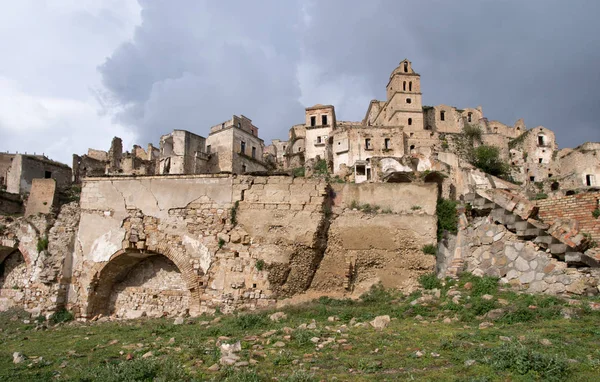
x: 400, y: 135
x: 17, y: 172
x: 232, y: 146
x: 115, y: 161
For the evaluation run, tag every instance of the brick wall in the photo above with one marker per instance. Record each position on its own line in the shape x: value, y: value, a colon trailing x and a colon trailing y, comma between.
x: 578, y: 207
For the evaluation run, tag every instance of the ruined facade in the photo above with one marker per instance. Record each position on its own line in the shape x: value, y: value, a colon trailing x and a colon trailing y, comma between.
x: 17, y: 172
x: 115, y: 161
x: 401, y: 135
x: 190, y: 244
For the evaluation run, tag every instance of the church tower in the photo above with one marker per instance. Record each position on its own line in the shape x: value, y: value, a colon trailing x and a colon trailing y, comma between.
x: 404, y: 104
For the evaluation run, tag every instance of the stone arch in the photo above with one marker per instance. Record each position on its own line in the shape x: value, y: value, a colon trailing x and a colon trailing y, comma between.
x: 435, y: 177
x: 14, y: 269
x: 106, y: 275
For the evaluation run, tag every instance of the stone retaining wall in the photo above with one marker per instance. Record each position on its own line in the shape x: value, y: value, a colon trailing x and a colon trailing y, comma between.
x: 495, y: 251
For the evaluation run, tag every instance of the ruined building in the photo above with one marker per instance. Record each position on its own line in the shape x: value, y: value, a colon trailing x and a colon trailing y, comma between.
x: 197, y: 225
x: 232, y: 146
x: 400, y: 136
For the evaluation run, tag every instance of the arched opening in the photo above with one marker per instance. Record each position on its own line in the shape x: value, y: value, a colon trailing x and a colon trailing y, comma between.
x: 399, y: 177
x: 442, y: 115
x: 135, y: 283
x: 404, y: 86
x: 406, y: 67
x: 469, y: 117
x: 435, y: 177
x: 409, y: 121
x: 554, y: 186
x: 13, y: 271
x: 410, y: 86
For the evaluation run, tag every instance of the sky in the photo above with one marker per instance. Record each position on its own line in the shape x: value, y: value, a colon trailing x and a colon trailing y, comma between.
x: 75, y: 73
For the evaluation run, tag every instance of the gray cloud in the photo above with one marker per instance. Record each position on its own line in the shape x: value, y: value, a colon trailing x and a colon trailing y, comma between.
x: 517, y: 59
x: 193, y: 65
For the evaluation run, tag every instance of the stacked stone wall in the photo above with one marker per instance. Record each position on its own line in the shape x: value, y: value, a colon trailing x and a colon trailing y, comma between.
x: 492, y: 250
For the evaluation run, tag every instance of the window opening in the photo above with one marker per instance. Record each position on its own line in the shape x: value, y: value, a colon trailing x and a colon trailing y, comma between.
x: 532, y: 178
x: 408, y: 100
x: 368, y: 144
x: 360, y: 170
x: 442, y: 115
x: 410, y: 86
x: 313, y: 121
x: 404, y: 85
x: 469, y: 117
x: 409, y: 121
x: 406, y: 67
x: 540, y: 160
x: 589, y: 180
x: 541, y: 140
x: 412, y: 147
x: 208, y: 149
x: 243, y: 147
x: 323, y: 120
x: 253, y: 152
x: 47, y: 174
x: 386, y: 143
x: 243, y: 168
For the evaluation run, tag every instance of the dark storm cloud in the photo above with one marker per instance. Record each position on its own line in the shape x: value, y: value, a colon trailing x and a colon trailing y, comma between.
x: 535, y: 60
x: 192, y: 64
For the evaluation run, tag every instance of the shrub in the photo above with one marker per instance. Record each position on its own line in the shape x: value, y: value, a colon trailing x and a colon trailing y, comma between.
x: 540, y: 196
x: 298, y: 172
x: 447, y: 218
x: 487, y: 159
x: 221, y: 243
x: 519, y: 359
x: 429, y: 249
x: 415, y: 208
x: 260, y: 264
x: 430, y: 281
x: 483, y: 285
x: 233, y: 214
x: 61, y: 316
x: 42, y: 244
x: 596, y: 213
x: 250, y: 321
x: 376, y: 294
x: 320, y: 167
x: 472, y: 132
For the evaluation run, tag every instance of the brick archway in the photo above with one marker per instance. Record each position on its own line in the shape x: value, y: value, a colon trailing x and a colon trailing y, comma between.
x: 104, y: 276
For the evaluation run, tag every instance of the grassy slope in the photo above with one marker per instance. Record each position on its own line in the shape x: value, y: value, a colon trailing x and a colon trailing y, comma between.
x: 88, y: 352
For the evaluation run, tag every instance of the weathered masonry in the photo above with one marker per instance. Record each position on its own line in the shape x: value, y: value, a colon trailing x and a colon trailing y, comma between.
x: 165, y: 245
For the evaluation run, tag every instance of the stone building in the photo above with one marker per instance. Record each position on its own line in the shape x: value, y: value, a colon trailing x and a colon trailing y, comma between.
x: 234, y: 146
x: 182, y: 152
x: 579, y: 167
x: 17, y: 172
x: 115, y: 161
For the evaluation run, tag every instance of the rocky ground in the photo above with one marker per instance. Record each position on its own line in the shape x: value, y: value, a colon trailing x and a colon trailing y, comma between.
x: 465, y: 330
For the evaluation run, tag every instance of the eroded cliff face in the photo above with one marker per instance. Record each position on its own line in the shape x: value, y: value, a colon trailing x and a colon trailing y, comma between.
x: 191, y: 244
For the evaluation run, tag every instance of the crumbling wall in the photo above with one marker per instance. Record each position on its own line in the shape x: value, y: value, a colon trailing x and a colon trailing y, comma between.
x: 33, y: 254
x: 579, y: 207
x: 382, y: 243
x: 495, y: 251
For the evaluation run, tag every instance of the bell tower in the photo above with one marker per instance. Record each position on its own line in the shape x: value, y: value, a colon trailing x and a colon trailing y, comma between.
x: 405, y: 106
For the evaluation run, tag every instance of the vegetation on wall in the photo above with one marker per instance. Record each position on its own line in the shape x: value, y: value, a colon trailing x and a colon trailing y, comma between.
x: 42, y: 244
x: 447, y: 217
x: 320, y: 167
x: 473, y: 133
x: 298, y: 172
x: 487, y: 159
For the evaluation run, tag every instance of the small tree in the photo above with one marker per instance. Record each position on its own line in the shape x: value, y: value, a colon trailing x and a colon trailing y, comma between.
x: 487, y: 158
